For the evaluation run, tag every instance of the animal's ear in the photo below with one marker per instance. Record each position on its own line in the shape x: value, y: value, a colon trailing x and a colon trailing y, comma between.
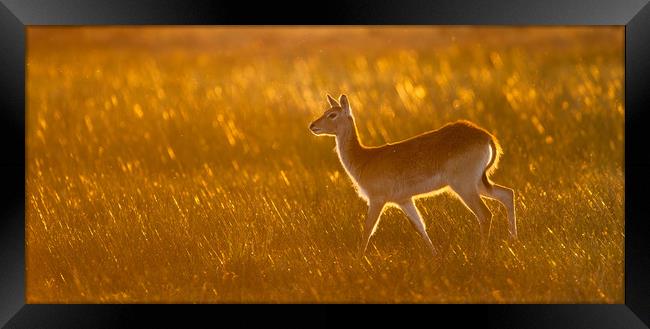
x: 345, y: 105
x: 332, y: 101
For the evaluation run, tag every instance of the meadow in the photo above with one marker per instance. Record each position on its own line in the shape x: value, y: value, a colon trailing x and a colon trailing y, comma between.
x: 174, y: 165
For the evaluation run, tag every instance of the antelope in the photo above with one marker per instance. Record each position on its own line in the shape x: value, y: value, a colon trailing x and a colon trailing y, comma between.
x: 458, y: 156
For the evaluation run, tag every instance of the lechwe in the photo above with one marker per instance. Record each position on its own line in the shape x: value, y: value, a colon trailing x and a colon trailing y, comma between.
x: 459, y: 156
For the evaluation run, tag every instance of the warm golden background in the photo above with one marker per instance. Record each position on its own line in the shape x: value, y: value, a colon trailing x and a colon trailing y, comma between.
x: 175, y: 164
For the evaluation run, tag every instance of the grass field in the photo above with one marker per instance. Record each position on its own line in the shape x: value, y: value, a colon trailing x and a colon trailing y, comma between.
x: 175, y: 165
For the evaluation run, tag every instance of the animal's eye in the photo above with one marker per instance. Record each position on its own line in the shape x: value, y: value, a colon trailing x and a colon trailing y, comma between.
x: 331, y: 116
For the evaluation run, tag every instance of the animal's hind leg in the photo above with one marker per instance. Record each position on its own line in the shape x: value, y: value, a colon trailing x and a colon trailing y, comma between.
x: 506, y: 196
x: 472, y: 200
x: 414, y: 215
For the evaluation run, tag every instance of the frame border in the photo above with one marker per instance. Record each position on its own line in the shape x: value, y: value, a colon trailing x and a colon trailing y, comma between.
x: 15, y: 15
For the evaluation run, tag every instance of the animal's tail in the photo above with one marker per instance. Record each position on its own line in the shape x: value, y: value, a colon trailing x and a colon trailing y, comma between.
x: 494, y: 161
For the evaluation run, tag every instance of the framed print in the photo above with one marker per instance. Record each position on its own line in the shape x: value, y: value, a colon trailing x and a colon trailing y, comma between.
x: 487, y: 156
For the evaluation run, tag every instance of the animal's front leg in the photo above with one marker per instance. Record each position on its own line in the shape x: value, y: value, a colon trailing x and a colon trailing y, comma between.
x: 374, y: 212
x: 414, y: 215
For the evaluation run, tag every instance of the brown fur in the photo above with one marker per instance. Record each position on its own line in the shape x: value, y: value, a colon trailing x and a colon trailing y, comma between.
x: 459, y: 155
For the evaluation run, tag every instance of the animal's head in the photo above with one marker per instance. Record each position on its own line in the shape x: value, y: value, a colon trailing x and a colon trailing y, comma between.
x: 336, y: 120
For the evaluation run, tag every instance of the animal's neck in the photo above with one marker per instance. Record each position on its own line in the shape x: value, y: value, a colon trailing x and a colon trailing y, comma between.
x: 350, y: 150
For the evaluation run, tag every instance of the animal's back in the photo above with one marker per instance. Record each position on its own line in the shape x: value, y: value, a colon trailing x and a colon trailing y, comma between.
x: 417, y: 160
x: 453, y: 135
x: 437, y: 146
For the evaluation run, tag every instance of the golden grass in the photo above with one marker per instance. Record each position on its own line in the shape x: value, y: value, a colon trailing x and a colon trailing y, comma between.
x: 175, y: 165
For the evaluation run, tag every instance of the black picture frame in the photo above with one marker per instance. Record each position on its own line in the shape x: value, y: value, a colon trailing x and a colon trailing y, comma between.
x: 15, y: 15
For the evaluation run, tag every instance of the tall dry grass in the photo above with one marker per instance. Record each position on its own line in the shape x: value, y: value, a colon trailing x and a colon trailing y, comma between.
x: 175, y: 165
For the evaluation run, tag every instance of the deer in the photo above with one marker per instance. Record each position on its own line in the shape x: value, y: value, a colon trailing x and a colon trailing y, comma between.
x: 458, y: 157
